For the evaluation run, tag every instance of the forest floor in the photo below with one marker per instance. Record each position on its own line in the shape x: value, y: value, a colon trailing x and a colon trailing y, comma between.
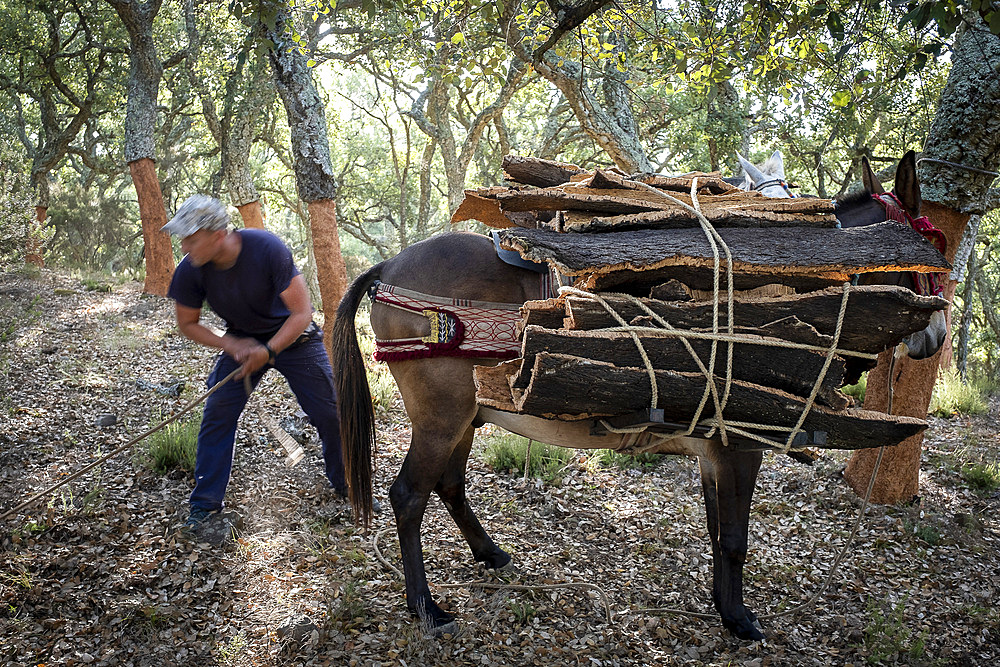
x: 99, y: 574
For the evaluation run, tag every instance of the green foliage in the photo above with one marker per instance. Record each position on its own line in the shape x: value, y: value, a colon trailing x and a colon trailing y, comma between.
x: 953, y: 396
x: 506, y: 452
x: 982, y: 477
x: 348, y: 608
x: 886, y: 637
x: 609, y: 458
x: 16, y: 202
x: 857, y: 390
x: 13, y: 316
x: 172, y: 447
x: 112, y: 245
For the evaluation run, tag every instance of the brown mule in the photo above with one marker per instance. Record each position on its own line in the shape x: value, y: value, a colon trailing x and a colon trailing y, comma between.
x: 439, y: 397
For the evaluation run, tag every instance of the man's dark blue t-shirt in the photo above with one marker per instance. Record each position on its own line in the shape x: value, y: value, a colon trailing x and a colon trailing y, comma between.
x: 247, y: 295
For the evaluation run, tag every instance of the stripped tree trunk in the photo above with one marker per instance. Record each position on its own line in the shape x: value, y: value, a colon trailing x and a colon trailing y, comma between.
x: 966, y: 131
x: 314, y: 176
x: 145, y: 71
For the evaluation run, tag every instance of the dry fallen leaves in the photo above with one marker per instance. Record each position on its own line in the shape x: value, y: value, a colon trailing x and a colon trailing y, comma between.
x: 100, y: 576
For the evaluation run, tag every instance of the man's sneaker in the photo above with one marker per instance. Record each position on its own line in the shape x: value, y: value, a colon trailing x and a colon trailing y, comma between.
x: 197, y: 518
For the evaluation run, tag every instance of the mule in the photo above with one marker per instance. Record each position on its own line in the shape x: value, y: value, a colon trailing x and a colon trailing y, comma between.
x: 440, y: 399
x: 866, y: 210
x: 768, y: 178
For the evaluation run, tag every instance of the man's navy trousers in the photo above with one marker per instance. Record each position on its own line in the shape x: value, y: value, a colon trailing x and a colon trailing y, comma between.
x: 307, y: 370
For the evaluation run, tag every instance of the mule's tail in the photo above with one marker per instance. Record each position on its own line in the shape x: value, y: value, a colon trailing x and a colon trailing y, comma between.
x: 357, y: 418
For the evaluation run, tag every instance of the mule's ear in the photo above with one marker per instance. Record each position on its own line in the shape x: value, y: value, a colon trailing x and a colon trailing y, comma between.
x: 777, y: 165
x: 755, y: 174
x: 873, y: 186
x: 907, y: 187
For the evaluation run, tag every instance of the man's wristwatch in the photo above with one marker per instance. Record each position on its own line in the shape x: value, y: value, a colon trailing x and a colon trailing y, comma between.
x: 270, y: 353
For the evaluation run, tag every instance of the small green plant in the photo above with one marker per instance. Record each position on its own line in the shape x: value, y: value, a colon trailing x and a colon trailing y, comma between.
x: 506, y: 452
x: 523, y: 611
x: 231, y: 652
x: 982, y: 477
x: 92, y: 285
x: 887, y: 638
x: 174, y: 446
x: 348, y: 608
x: 382, y: 386
x: 926, y: 532
x: 608, y: 458
x: 952, y: 396
x: 20, y: 578
x: 857, y: 390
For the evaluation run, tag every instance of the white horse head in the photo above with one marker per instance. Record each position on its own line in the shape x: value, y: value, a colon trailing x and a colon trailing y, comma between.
x: 768, y: 178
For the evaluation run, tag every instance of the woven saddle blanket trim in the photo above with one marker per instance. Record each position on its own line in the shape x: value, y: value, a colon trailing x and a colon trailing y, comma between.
x: 458, y: 327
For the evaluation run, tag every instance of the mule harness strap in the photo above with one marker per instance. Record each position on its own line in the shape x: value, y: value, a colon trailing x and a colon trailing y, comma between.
x: 774, y: 181
x: 187, y: 408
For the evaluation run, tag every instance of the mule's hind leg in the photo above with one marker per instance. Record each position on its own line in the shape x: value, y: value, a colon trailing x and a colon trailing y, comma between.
x: 451, y: 490
x: 728, y: 480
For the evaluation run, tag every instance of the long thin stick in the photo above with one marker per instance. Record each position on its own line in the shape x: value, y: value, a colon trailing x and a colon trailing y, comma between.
x: 187, y: 408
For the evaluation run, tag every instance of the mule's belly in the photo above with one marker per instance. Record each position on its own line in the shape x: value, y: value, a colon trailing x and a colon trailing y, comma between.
x: 576, y: 435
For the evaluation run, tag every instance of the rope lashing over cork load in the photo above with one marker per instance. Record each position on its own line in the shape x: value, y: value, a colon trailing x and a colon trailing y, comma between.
x: 665, y: 328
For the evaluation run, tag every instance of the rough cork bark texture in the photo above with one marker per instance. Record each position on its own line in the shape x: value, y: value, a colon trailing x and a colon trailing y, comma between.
x: 33, y: 253
x: 887, y: 246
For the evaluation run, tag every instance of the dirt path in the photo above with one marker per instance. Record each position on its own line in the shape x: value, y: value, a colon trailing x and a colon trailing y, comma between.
x: 99, y: 575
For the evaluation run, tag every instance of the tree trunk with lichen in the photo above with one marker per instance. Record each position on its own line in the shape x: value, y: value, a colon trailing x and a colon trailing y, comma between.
x: 314, y: 176
x: 966, y: 131
x: 145, y: 71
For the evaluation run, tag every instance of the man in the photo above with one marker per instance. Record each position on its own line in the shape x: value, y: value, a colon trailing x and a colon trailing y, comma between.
x: 249, y: 279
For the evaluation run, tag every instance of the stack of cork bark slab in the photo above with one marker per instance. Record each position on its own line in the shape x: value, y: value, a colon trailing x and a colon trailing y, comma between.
x: 647, y: 259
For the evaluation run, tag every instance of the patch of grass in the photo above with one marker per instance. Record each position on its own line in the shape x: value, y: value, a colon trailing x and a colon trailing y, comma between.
x: 857, y: 390
x: 382, y: 386
x: 953, y: 396
x: 13, y: 320
x: 982, y: 477
x: 523, y: 611
x: 608, y: 458
x: 92, y: 285
x: 347, y: 608
x: 887, y: 639
x: 172, y: 447
x: 924, y: 531
x: 506, y: 452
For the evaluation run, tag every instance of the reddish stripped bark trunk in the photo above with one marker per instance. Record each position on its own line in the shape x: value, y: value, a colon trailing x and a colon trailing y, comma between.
x: 252, y: 215
x: 898, y: 478
x: 329, y: 261
x: 33, y: 254
x: 159, y: 252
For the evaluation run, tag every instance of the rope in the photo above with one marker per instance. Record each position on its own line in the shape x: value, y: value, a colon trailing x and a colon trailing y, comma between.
x: 187, y: 408
x: 840, y: 555
x: 485, y: 584
x: 956, y: 165
x: 717, y: 421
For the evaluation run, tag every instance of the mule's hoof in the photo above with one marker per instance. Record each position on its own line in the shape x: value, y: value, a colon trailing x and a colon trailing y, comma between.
x: 747, y: 628
x: 495, y: 561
